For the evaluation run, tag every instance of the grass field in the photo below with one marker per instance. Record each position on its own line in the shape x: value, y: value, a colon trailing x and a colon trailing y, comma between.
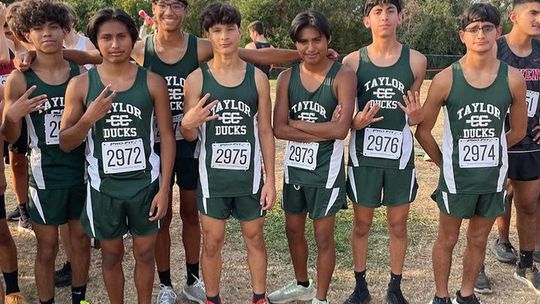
x: 417, y: 282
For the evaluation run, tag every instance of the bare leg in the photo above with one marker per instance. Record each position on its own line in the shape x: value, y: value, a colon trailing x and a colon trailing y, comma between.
x: 252, y: 232
x: 47, y: 248
x: 397, y: 226
x: 443, y: 248
x: 213, y: 238
x: 363, y: 218
x: 298, y: 248
x: 145, y: 267
x: 326, y: 254
x: 80, y: 243
x: 112, y: 254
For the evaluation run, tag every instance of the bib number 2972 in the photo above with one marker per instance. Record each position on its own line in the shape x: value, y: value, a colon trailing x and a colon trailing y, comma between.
x: 123, y: 156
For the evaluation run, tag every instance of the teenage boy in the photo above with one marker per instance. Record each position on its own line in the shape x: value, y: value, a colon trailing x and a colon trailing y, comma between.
x: 381, y: 163
x: 124, y: 193
x: 234, y: 132
x: 519, y: 49
x: 56, y: 178
x: 314, y: 183
x: 258, y: 41
x: 475, y: 93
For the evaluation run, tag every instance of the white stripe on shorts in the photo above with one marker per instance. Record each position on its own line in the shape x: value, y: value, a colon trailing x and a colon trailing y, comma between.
x: 445, y: 200
x: 37, y: 202
x: 89, y: 209
x: 332, y: 201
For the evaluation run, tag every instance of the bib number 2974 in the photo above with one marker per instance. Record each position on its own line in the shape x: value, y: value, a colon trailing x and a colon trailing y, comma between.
x: 123, y: 156
x: 478, y: 153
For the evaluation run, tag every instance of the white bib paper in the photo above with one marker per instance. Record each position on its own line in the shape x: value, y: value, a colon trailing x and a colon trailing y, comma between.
x: 532, y: 102
x: 176, y: 121
x: 231, y: 156
x: 52, y: 129
x: 478, y: 152
x: 123, y: 156
x: 382, y: 143
x: 301, y: 155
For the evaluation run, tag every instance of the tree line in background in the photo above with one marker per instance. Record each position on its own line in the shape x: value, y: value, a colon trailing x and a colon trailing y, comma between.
x: 430, y: 26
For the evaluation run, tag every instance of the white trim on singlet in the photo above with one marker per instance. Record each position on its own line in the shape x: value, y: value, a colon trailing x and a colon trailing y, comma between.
x: 447, y: 151
x: 90, y: 210
x: 35, y: 154
x: 332, y: 201
x: 205, y: 205
x: 352, y: 183
x: 335, y: 163
x: 407, y: 145
x: 153, y: 158
x: 203, y: 172
x: 256, y: 156
x: 504, y: 160
x: 353, y: 158
x: 413, y: 179
x: 35, y: 199
x: 93, y: 165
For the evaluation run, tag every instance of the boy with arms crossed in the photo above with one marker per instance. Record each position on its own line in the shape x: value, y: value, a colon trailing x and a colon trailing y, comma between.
x: 234, y: 130
x: 475, y: 93
x: 381, y: 144
x: 307, y: 95
x: 124, y: 193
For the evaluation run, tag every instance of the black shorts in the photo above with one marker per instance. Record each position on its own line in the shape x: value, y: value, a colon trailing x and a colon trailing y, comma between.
x: 2, y: 207
x: 20, y: 146
x: 524, y: 166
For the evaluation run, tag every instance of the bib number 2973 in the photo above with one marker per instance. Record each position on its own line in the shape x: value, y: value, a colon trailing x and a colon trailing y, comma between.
x: 123, y: 156
x: 302, y: 155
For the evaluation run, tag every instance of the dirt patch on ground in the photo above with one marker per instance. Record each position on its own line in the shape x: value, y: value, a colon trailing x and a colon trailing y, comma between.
x: 417, y: 282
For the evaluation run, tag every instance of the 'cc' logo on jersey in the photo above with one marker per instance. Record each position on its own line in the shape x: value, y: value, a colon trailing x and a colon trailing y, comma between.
x: 119, y: 120
x: 230, y: 118
x: 478, y: 121
x: 384, y: 93
x: 306, y: 116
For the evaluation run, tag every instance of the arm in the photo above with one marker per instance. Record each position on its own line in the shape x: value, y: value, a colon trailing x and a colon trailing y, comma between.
x: 158, y: 90
x: 82, y: 57
x: 282, y: 129
x: 412, y: 107
x: 518, y: 109
x: 195, y: 112
x: 437, y: 94
x: 18, y: 105
x: 338, y: 128
x: 76, y: 122
x: 268, y: 192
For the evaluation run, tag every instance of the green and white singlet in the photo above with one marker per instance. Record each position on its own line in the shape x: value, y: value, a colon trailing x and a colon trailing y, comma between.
x: 388, y: 143
x: 315, y: 164
x: 120, y: 147
x: 230, y: 154
x: 175, y: 75
x: 50, y: 167
x: 474, y: 148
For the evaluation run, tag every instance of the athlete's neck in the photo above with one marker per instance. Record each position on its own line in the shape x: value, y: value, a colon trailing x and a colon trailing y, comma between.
x: 384, y: 46
x: 479, y: 62
x: 71, y: 39
x: 225, y: 61
x: 321, y: 68
x: 170, y: 38
x: 519, y: 43
x: 113, y: 69
x: 49, y: 61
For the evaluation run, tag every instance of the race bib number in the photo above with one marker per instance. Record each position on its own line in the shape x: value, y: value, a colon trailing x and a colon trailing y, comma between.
x: 532, y: 102
x: 3, y: 79
x: 123, y: 156
x: 381, y: 143
x: 301, y: 155
x: 52, y: 129
x: 231, y: 156
x: 478, y: 152
x: 176, y: 121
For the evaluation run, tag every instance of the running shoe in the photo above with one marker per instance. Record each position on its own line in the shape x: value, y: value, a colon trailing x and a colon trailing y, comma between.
x: 482, y: 284
x: 529, y: 276
x: 195, y: 292
x: 504, y: 252
x: 293, y: 292
x: 166, y: 295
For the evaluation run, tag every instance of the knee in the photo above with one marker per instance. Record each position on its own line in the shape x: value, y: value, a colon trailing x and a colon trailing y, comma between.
x: 398, y: 230
x: 190, y: 217
x: 255, y: 240
x: 526, y: 208
x: 448, y: 242
x: 46, y: 253
x: 212, y: 246
x: 144, y: 255
x: 294, y: 233
x: 361, y: 228
x: 111, y: 259
x: 324, y: 241
x: 477, y: 241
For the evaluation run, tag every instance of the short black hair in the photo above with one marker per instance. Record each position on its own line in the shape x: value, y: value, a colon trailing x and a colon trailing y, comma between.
x: 110, y: 14
x: 257, y: 26
x: 480, y: 12
x: 219, y: 13
x: 309, y: 18
x: 185, y: 2
x: 29, y: 13
x: 518, y: 2
x: 72, y: 15
x: 370, y: 4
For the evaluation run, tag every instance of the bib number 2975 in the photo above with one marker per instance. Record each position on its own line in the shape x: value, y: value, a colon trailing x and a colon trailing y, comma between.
x: 123, y: 156
x: 231, y: 156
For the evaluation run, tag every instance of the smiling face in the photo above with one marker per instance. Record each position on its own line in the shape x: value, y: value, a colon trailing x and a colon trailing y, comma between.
x: 47, y: 38
x: 312, y: 45
x: 526, y: 18
x: 114, y: 41
x: 169, y: 14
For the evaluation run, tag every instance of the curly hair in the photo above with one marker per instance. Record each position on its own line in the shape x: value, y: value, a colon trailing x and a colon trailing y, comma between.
x: 30, y: 13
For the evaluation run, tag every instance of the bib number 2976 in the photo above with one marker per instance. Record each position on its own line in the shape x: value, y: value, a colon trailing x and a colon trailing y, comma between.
x: 123, y: 156
x: 382, y: 143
